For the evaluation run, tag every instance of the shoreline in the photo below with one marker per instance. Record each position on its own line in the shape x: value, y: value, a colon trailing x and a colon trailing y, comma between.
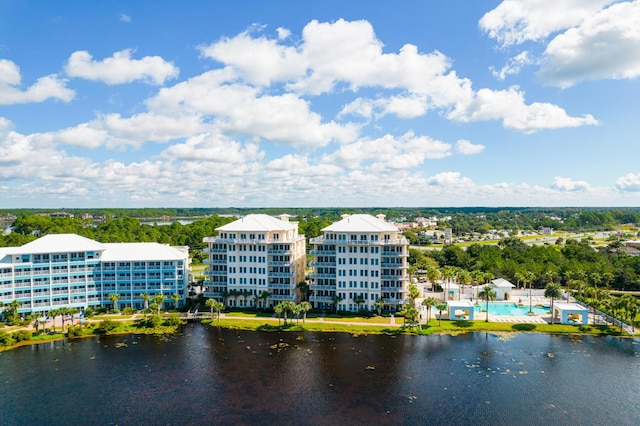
x: 261, y: 324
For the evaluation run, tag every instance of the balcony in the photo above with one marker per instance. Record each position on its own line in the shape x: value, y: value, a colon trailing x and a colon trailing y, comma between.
x: 322, y: 252
x: 322, y: 287
x: 321, y: 264
x: 290, y: 297
x: 282, y: 274
x: 392, y: 278
x: 393, y: 254
x: 325, y: 299
x: 281, y: 262
x: 327, y: 276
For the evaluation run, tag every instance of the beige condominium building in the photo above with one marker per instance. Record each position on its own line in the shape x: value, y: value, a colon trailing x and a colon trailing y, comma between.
x: 257, y: 260
x: 357, y: 261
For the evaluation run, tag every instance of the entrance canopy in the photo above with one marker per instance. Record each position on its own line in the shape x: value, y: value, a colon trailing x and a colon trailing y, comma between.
x: 570, y: 313
x: 460, y: 309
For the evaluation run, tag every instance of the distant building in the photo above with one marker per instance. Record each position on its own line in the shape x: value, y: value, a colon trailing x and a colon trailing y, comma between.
x: 253, y: 255
x: 67, y: 270
x: 360, y: 257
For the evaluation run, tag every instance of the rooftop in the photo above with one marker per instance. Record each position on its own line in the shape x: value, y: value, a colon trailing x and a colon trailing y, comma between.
x: 59, y: 243
x: 258, y: 223
x: 361, y: 223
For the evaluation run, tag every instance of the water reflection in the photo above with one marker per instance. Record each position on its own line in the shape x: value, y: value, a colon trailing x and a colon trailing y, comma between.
x: 236, y: 377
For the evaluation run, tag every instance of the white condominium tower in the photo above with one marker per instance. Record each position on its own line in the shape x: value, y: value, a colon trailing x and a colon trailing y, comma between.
x: 67, y: 270
x: 257, y: 260
x: 357, y: 261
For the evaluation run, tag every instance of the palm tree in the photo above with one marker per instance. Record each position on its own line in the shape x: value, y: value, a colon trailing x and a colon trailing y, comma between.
x: 448, y: 272
x: 12, y: 310
x: 279, y: 309
x: 145, y: 297
x: 631, y: 308
x: 54, y: 313
x: 175, y: 297
x: 211, y: 304
x: 158, y: 299
x: 487, y: 294
x: 304, y: 308
x: 264, y: 295
x: 433, y: 274
x: 552, y: 291
x: 464, y: 278
x: 528, y: 277
x: 413, y: 294
x: 336, y: 299
x: 379, y: 304
x: 429, y: 302
x: 303, y: 286
x: 114, y: 299
x: 440, y: 307
x: 358, y: 300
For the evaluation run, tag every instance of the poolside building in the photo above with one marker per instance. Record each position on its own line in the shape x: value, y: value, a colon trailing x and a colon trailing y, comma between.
x: 257, y: 260
x: 67, y: 270
x: 357, y: 261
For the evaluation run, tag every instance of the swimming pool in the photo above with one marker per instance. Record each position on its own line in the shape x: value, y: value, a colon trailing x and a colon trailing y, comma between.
x: 496, y: 308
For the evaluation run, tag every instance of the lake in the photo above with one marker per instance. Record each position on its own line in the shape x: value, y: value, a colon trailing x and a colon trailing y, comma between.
x: 209, y: 375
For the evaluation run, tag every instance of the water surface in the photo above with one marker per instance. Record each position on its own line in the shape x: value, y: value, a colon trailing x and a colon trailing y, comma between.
x: 210, y: 375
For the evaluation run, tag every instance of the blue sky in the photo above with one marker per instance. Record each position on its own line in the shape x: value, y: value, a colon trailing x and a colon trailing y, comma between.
x: 311, y: 104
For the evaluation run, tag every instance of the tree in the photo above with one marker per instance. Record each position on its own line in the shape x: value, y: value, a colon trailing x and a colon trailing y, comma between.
x: 305, y: 290
x: 429, y: 302
x: 158, y: 299
x: 211, y: 304
x: 279, y: 309
x: 440, y: 307
x: 527, y: 277
x: 145, y: 297
x: 304, y: 308
x: 358, y: 300
x: 631, y: 310
x: 379, y: 304
x: 175, y: 297
x: 412, y: 294
x: 487, y: 294
x: 464, y: 278
x: 114, y: 299
x: 214, y: 305
x: 448, y: 273
x: 433, y: 274
x: 552, y: 291
x: 12, y: 312
x: 335, y: 300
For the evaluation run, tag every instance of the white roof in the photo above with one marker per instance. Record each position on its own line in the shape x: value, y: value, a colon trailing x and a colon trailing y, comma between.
x: 361, y: 223
x: 460, y: 304
x: 59, y: 243
x: 570, y: 307
x: 501, y: 283
x: 128, y: 252
x: 258, y: 223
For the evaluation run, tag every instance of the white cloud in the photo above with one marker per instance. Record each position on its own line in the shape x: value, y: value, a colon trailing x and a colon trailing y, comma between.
x: 509, y: 106
x: 283, y: 33
x: 120, y: 68
x: 465, y: 147
x: 125, y: 18
x: 567, y: 184
x: 48, y: 87
x: 513, y: 66
x: 450, y: 180
x: 629, y: 182
x: 517, y: 21
x: 388, y: 153
x: 604, y: 46
x: 242, y: 109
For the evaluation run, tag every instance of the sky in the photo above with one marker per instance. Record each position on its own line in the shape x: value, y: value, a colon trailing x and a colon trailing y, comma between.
x: 360, y: 103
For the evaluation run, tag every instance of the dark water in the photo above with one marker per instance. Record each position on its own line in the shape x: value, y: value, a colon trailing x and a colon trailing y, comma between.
x: 211, y: 376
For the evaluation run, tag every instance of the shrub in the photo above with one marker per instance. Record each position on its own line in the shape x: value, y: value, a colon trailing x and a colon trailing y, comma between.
x: 174, y: 319
x: 23, y: 335
x: 6, y: 339
x: 88, y: 312
x: 115, y: 311
x: 101, y: 310
x: 152, y: 321
x: 77, y: 330
x: 128, y: 311
x: 107, y: 326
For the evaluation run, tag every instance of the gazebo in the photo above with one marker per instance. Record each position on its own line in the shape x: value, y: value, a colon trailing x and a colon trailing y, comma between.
x: 570, y: 313
x: 460, y: 309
